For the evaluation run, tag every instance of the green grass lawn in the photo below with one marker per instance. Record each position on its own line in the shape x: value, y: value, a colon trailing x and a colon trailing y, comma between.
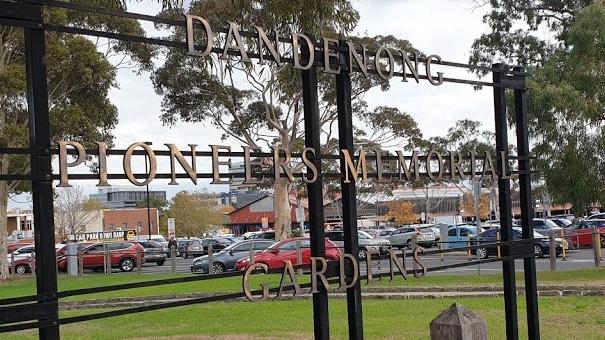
x: 561, y: 318
x: 26, y: 286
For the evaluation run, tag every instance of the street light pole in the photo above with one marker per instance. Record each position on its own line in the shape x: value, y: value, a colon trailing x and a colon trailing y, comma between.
x: 147, y: 196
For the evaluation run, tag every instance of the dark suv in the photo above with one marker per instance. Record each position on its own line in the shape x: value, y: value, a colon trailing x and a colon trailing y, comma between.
x: 541, y: 245
x: 153, y: 251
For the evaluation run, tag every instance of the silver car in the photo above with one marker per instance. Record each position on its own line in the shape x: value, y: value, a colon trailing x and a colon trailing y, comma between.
x: 402, y: 237
x: 365, y: 240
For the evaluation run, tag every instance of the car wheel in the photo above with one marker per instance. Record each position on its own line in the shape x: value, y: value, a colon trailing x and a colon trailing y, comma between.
x: 363, y: 253
x: 538, y: 251
x: 160, y: 263
x: 218, y: 268
x: 185, y: 255
x: 21, y: 269
x: 408, y: 244
x: 482, y: 253
x: 127, y: 265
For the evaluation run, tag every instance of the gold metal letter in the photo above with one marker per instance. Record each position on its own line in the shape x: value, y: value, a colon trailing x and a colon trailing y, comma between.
x: 408, y: 169
x: 379, y: 166
x: 63, y: 164
x: 246, y: 281
x: 296, y: 52
x: 248, y: 163
x: 428, y: 165
x: 239, y: 45
x: 361, y: 63
x: 310, y: 166
x: 488, y: 165
x: 288, y: 270
x: 273, y: 49
x: 456, y: 165
x: 279, y: 165
x: 401, y: 267
x: 413, y: 68
x: 102, y: 164
x: 191, y: 170
x: 349, y: 165
x: 321, y: 274
x: 328, y: 54
x: 190, y: 39
x: 377, y: 63
x: 128, y: 166
x: 216, y: 175
x: 343, y: 274
x: 432, y: 80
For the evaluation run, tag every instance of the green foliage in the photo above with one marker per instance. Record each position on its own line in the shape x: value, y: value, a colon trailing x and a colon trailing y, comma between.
x: 194, y: 213
x: 567, y: 113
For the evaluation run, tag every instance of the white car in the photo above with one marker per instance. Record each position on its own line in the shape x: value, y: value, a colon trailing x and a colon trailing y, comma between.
x: 402, y: 237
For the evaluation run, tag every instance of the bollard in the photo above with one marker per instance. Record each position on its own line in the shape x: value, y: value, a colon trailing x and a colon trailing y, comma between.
x: 13, y: 264
x: 173, y: 258
x: 498, y: 241
x: 441, y: 251
x: 210, y: 260
x: 107, y: 262
x: 596, y: 246
x: 251, y: 252
x: 552, y: 251
x: 32, y: 262
x: 298, y: 257
x: 458, y: 323
x: 80, y: 262
x: 563, y: 245
x: 139, y: 261
x: 468, y: 249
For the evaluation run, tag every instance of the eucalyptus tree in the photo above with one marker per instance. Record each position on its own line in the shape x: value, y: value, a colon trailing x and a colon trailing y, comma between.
x: 261, y: 104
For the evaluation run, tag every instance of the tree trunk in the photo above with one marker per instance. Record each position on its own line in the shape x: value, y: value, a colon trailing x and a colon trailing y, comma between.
x: 282, y: 209
x: 3, y: 230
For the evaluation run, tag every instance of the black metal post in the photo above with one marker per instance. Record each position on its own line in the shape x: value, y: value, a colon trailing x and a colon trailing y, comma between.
x: 147, y: 197
x: 349, y: 200
x: 321, y: 320
x: 42, y: 190
x: 527, y: 209
x: 508, y: 266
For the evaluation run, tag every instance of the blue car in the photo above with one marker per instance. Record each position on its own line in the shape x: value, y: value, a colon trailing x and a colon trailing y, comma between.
x: 458, y: 236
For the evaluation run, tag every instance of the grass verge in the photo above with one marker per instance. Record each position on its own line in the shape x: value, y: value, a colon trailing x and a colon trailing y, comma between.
x: 561, y: 318
x: 26, y: 286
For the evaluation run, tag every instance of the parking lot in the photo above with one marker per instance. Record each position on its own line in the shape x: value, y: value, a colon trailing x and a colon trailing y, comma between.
x: 576, y: 259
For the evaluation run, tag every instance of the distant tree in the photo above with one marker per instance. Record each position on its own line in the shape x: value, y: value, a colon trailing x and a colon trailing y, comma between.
x: 154, y: 202
x: 468, y: 205
x: 401, y: 212
x: 74, y: 211
x: 80, y: 77
x: 194, y: 213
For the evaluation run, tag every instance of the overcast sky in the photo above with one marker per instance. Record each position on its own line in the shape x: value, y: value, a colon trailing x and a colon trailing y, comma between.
x: 443, y: 27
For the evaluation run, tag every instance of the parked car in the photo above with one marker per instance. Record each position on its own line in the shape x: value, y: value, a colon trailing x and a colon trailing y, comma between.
x: 123, y: 255
x: 458, y: 236
x: 81, y: 245
x: 153, y: 251
x: 276, y: 254
x: 402, y: 237
x: 541, y: 244
x: 581, y: 234
x: 193, y: 247
x: 599, y: 216
x: 225, y: 259
x: 265, y: 235
x: 545, y: 226
x: 21, y: 265
x: 561, y: 222
x: 14, y: 246
x: 366, y: 242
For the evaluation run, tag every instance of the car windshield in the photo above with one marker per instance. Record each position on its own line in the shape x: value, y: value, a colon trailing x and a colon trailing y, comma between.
x: 364, y: 235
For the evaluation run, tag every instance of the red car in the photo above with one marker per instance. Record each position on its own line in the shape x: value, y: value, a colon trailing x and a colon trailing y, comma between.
x: 276, y: 254
x: 14, y: 246
x: 581, y: 233
x: 123, y: 256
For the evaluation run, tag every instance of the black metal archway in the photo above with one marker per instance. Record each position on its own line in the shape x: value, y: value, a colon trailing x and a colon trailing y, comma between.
x: 41, y: 310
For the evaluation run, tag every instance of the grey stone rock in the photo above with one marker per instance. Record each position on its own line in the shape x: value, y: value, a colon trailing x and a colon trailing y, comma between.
x: 458, y: 323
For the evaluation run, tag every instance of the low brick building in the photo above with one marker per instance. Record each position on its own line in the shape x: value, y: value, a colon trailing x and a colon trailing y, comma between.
x: 131, y: 219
